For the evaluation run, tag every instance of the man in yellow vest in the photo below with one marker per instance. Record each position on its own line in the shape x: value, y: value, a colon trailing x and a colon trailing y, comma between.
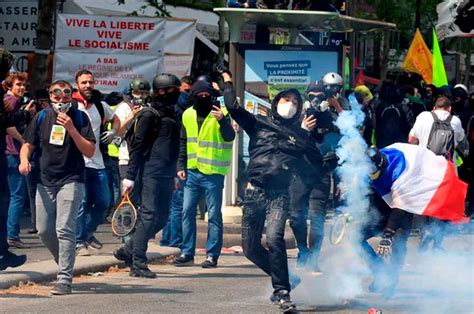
x: 204, y: 160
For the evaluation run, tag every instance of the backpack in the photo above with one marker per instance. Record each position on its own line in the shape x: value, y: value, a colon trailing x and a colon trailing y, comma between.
x: 389, y: 123
x: 129, y: 134
x: 441, y: 139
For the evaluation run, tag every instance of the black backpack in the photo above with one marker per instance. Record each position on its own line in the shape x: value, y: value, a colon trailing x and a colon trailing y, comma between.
x: 132, y: 126
x: 441, y: 139
x: 390, y: 123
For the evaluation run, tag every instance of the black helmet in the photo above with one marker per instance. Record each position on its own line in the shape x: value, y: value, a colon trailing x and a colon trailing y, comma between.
x: 140, y: 85
x: 204, y: 77
x: 165, y: 80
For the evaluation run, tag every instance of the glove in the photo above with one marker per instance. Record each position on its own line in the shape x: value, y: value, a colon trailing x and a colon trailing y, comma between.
x: 127, y: 185
x: 330, y: 161
x: 221, y: 68
x: 108, y: 136
x: 385, y: 245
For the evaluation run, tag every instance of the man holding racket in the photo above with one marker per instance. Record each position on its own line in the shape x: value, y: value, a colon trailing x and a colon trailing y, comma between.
x: 62, y: 134
x: 153, y: 150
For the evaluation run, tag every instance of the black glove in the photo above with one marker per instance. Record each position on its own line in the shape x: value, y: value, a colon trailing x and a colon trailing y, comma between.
x: 221, y: 68
x: 385, y: 245
x: 330, y: 161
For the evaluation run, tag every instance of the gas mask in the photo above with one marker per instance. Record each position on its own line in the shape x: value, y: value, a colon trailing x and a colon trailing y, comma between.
x: 59, y: 107
x: 141, y: 101
x: 317, y: 102
x: 286, y: 110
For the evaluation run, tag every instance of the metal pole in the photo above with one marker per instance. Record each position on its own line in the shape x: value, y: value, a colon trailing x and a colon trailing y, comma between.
x: 417, y: 14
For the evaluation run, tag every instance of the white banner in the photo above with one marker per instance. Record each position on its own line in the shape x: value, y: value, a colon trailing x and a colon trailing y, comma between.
x: 18, y: 23
x: 110, y: 34
x: 115, y: 49
x: 179, y: 65
x: 455, y: 19
x: 112, y: 73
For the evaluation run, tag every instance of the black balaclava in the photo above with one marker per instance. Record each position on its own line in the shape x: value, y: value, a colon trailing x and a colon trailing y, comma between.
x: 203, y: 105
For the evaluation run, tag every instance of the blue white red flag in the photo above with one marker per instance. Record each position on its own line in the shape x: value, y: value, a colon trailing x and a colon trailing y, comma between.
x: 420, y: 182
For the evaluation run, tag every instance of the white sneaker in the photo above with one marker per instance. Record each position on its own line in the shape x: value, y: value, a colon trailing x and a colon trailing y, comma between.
x: 82, y: 251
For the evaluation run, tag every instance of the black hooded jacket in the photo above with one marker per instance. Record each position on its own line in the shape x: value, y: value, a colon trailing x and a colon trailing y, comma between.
x: 155, y: 145
x: 278, y: 147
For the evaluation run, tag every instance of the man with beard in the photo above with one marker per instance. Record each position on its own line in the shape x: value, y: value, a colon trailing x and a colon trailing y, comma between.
x: 278, y: 148
x: 63, y: 135
x: 153, y: 151
x: 96, y: 194
x: 204, y: 160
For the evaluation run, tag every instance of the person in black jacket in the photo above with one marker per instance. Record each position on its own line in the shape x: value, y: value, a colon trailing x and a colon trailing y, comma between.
x: 7, y: 258
x: 154, y: 151
x: 278, y: 148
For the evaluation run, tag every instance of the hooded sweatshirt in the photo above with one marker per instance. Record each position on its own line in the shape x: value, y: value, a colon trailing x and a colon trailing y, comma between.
x: 278, y: 147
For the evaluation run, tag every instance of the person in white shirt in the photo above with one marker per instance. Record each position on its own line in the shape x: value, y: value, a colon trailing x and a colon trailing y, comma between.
x: 420, y: 132
x: 433, y: 229
x: 97, y: 194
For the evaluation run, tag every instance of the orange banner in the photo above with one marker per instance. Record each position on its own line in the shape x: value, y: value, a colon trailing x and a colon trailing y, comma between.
x: 419, y: 59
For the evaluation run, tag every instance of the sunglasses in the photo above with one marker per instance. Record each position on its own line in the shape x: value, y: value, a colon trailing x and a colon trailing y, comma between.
x: 58, y: 91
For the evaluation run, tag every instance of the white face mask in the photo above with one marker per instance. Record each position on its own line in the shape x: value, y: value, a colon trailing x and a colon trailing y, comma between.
x: 61, y: 107
x: 286, y: 110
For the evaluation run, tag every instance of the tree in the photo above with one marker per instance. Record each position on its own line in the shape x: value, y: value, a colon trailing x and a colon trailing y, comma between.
x: 403, y: 14
x: 44, y: 39
x: 159, y: 6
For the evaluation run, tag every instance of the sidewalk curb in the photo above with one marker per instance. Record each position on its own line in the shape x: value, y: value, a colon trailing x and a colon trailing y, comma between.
x: 30, y: 272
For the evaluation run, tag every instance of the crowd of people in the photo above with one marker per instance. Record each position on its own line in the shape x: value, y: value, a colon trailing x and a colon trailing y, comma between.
x: 169, y: 143
x: 313, y: 5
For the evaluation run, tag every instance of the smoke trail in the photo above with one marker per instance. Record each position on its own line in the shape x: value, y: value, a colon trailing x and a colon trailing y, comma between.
x: 355, y: 164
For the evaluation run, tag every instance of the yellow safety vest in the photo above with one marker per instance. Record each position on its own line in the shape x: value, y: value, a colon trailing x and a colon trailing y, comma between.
x: 206, y: 149
x: 113, y: 149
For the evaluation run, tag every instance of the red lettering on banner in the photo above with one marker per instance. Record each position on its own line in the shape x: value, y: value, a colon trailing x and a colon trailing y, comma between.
x: 110, y: 60
x: 76, y: 43
x: 100, y: 24
x: 109, y: 34
x: 78, y: 23
x: 98, y: 60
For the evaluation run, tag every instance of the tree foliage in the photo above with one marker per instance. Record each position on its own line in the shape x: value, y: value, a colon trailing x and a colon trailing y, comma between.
x: 159, y: 6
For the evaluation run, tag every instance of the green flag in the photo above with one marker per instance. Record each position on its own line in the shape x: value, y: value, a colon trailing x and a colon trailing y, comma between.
x: 439, y: 73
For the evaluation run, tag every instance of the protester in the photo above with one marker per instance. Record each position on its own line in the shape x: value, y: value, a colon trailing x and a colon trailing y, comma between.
x: 15, y: 84
x: 242, y: 4
x: 153, y: 149
x: 393, y: 119
x: 423, y: 134
x: 313, y: 191
x: 96, y: 193
x: 172, y: 233
x: 204, y: 160
x: 278, y: 149
x: 63, y: 134
x: 8, y: 119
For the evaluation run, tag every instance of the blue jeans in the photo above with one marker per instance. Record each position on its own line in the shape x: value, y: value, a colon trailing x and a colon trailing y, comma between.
x: 17, y: 184
x: 211, y: 185
x: 172, y: 233
x: 94, y: 204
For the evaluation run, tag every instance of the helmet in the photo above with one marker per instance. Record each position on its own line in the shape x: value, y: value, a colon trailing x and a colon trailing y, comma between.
x: 462, y: 86
x: 204, y: 77
x: 165, y: 80
x: 140, y: 85
x: 332, y: 78
x: 332, y: 83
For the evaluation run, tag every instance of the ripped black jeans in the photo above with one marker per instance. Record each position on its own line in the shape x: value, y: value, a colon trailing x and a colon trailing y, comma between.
x: 270, y: 206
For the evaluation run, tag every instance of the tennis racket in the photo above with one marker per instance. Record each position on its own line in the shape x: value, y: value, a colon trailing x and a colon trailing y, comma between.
x: 124, y: 217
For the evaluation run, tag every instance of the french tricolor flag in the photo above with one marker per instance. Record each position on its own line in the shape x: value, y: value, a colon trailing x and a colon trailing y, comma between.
x: 420, y: 182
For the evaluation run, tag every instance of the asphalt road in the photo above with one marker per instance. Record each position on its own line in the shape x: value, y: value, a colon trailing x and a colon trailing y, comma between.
x: 429, y: 284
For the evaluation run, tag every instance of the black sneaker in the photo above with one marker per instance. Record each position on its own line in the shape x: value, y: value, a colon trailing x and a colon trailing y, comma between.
x: 141, y: 272
x: 61, y: 289
x: 10, y: 259
x: 94, y: 243
x: 122, y: 256
x: 184, y: 260
x: 283, y: 300
x: 210, y: 262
